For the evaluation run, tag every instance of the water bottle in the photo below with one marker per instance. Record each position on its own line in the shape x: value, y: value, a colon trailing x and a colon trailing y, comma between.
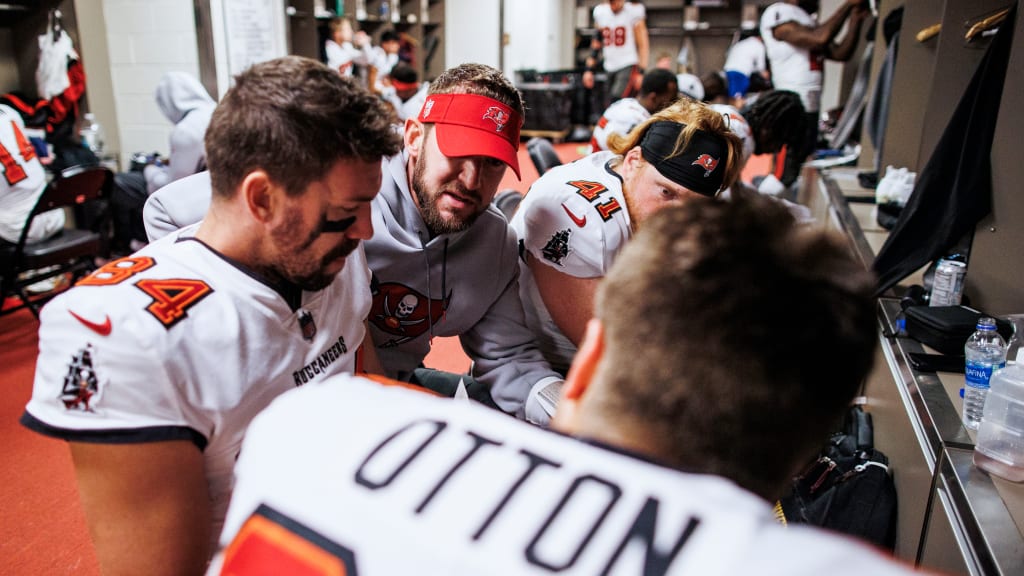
x: 985, y: 351
x: 1000, y: 445
x: 92, y: 134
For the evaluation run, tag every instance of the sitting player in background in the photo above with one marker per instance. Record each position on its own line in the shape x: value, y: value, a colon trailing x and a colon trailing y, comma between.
x: 577, y: 217
x: 670, y: 452
x: 404, y: 92
x: 769, y: 123
x: 777, y: 119
x: 186, y: 104
x: 23, y: 184
x: 382, y: 59
x: 658, y: 90
x: 745, y: 59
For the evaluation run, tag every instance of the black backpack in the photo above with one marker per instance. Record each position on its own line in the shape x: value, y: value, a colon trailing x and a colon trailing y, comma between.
x: 847, y: 488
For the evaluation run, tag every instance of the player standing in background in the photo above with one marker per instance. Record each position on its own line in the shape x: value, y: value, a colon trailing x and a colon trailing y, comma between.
x: 670, y: 451
x: 797, y: 47
x: 346, y: 48
x: 623, y: 45
x: 152, y: 367
x: 577, y: 218
x: 658, y: 90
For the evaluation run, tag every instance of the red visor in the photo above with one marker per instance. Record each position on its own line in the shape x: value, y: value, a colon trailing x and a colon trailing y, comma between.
x: 399, y: 85
x: 474, y: 125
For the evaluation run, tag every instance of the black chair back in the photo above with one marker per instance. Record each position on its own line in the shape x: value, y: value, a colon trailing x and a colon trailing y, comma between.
x: 543, y: 154
x: 71, y: 251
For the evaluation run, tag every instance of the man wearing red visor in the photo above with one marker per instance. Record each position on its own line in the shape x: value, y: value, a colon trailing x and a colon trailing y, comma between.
x: 444, y: 260
x: 577, y: 217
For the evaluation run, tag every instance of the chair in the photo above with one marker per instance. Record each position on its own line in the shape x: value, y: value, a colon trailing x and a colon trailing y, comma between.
x: 70, y: 251
x: 543, y: 154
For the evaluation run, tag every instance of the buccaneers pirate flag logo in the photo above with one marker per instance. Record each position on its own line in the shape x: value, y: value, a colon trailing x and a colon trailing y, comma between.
x: 402, y: 312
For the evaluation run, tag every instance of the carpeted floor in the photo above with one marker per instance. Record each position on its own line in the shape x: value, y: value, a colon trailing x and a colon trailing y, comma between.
x: 42, y: 530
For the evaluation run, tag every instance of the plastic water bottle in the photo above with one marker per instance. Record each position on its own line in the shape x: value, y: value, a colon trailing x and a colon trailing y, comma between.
x: 985, y: 351
x: 92, y: 134
x: 1000, y: 445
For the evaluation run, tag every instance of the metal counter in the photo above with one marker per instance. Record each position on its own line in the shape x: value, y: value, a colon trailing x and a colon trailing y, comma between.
x: 972, y: 522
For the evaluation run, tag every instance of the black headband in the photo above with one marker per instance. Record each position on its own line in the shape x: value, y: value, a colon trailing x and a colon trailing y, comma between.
x: 699, y: 167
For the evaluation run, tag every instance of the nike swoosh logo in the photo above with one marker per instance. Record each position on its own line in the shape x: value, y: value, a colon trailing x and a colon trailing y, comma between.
x: 581, y: 222
x: 101, y: 329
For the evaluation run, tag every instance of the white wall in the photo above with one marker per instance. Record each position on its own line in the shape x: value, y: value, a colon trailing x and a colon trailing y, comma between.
x: 472, y: 31
x: 142, y: 40
x: 540, y: 35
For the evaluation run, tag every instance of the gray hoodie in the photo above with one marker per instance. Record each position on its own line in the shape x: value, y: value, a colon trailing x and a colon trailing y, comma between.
x: 463, y: 284
x: 185, y: 102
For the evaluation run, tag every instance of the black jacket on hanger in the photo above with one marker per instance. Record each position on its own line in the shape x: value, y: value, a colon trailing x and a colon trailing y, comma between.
x: 954, y: 191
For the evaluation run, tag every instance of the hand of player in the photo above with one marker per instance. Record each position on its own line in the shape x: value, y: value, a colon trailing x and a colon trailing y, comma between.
x: 588, y: 79
x: 360, y: 39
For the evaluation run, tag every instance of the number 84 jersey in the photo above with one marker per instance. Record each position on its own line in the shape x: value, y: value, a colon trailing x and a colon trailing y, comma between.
x: 178, y: 343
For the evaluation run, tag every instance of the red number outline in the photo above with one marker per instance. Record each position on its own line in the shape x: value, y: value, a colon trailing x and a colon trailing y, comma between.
x: 271, y: 543
x: 172, y: 297
x: 14, y: 172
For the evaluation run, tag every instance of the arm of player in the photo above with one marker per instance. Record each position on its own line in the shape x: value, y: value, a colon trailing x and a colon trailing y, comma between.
x: 819, y: 37
x: 177, y: 205
x: 367, y: 360
x: 569, y: 300
x: 643, y: 44
x: 147, y: 506
x: 843, y: 51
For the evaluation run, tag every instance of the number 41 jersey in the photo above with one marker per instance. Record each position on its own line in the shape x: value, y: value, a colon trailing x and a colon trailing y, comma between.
x: 178, y: 343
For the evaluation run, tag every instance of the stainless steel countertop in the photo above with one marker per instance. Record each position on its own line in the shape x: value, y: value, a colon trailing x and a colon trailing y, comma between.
x: 982, y: 508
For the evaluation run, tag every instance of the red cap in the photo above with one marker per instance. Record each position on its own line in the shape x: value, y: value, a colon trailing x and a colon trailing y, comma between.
x: 474, y: 125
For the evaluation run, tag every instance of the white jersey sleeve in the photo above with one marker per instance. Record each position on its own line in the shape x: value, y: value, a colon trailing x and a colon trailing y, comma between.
x: 737, y: 125
x: 574, y: 218
x: 621, y: 117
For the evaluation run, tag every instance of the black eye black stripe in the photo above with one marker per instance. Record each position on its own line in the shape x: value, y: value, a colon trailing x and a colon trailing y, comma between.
x: 337, y: 225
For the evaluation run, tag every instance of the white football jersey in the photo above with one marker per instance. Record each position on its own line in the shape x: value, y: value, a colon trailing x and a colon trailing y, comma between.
x: 617, y: 34
x: 348, y: 476
x: 177, y: 343
x: 746, y: 56
x: 737, y: 125
x: 622, y: 116
x: 573, y: 219
x: 793, y: 68
x: 22, y: 183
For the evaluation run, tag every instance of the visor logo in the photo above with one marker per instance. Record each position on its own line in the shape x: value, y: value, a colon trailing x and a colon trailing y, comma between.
x: 428, y: 107
x: 706, y: 162
x: 499, y: 116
